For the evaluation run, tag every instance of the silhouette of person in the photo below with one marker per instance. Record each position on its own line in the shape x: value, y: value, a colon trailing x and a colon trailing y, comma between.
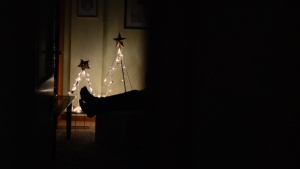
x: 130, y: 100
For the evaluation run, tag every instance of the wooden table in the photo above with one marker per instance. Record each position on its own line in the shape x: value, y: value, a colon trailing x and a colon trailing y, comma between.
x: 65, y: 102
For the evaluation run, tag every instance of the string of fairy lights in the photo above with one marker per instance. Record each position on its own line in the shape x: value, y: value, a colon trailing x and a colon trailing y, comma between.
x: 83, y: 65
x: 117, y: 64
x: 77, y: 81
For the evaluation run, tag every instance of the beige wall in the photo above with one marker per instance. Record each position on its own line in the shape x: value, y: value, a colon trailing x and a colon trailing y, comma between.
x: 92, y: 39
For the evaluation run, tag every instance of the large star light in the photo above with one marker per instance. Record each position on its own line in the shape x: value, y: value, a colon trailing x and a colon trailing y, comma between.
x: 84, y: 64
x: 119, y: 41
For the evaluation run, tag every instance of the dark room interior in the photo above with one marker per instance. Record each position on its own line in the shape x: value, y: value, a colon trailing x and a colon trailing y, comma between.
x: 236, y: 105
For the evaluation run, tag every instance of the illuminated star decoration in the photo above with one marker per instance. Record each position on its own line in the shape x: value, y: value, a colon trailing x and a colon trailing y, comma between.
x: 84, y: 64
x: 119, y: 41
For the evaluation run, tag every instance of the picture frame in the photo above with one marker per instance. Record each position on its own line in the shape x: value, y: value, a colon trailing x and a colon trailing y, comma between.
x: 135, y: 14
x: 87, y: 8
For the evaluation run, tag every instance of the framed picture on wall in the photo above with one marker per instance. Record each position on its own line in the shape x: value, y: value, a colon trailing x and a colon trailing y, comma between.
x: 135, y: 14
x: 87, y: 8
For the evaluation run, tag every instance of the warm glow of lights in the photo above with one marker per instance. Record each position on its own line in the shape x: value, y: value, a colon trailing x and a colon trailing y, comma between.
x: 77, y: 109
x: 78, y: 79
x: 118, y: 61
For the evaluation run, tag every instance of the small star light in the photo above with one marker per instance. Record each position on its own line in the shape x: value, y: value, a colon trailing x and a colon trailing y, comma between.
x: 84, y: 64
x: 119, y: 41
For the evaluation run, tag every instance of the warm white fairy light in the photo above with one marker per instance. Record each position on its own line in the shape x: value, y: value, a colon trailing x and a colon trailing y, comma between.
x: 84, y: 65
x: 77, y: 81
x: 118, y: 61
x: 77, y: 109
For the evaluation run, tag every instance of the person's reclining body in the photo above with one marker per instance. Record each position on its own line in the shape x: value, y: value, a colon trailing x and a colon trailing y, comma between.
x: 130, y: 100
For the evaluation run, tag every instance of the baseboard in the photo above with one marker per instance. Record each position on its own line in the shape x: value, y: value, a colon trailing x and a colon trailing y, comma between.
x: 73, y: 127
x: 78, y: 117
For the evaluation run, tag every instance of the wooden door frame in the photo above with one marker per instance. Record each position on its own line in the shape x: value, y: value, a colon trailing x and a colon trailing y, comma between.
x: 61, y: 48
